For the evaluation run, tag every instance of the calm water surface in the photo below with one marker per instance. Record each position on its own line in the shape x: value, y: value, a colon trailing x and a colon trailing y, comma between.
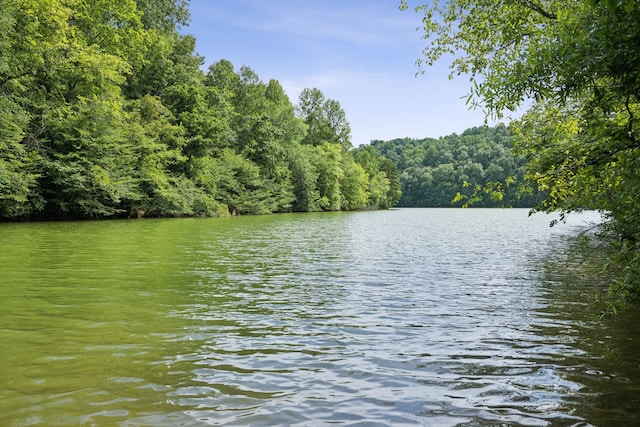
x: 435, y: 317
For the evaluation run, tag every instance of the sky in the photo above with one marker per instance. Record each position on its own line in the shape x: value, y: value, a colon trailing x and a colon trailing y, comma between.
x: 361, y: 53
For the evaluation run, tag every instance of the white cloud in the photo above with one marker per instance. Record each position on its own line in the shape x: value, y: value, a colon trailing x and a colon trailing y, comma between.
x: 359, y: 23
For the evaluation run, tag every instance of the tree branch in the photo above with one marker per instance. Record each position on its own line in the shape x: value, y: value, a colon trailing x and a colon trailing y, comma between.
x: 630, y: 122
x: 536, y: 7
x: 7, y: 78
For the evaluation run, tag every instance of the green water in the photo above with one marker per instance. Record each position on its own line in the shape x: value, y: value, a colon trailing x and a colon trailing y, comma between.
x: 400, y: 317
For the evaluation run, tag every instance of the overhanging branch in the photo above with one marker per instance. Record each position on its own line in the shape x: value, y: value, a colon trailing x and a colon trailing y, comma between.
x: 536, y: 7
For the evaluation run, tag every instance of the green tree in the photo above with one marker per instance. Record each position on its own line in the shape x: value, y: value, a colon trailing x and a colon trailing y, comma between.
x: 163, y: 188
x: 68, y: 61
x: 329, y: 165
x: 18, y: 173
x: 304, y: 177
x: 384, y: 179
x: 454, y: 167
x: 354, y: 185
x: 263, y: 124
x: 282, y: 113
x: 105, y: 111
x: 241, y: 186
x: 165, y: 15
x: 394, y: 192
x: 28, y: 31
x: 18, y: 177
x: 325, y: 119
x: 577, y: 63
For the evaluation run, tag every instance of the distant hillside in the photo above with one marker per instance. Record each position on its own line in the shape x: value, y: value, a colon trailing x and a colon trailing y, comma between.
x: 432, y: 171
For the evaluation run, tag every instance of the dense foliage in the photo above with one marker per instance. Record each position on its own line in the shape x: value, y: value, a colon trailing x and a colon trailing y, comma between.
x: 578, y: 65
x: 453, y: 170
x: 105, y: 111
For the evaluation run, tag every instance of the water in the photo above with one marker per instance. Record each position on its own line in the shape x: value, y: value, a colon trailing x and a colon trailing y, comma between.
x: 435, y: 317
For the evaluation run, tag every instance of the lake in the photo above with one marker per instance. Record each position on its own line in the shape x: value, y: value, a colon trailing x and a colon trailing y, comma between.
x: 435, y: 317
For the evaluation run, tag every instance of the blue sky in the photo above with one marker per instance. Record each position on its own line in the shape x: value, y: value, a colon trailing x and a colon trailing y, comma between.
x: 361, y: 53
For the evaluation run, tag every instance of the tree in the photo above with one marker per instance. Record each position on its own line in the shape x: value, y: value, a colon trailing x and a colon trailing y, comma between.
x: 304, y: 176
x: 309, y: 108
x: 325, y: 119
x: 354, y: 185
x: 394, y: 192
x: 165, y: 184
x: 165, y: 15
x: 384, y: 178
x: 328, y: 162
x: 104, y: 111
x: 18, y: 177
x: 455, y: 167
x: 577, y: 63
x: 62, y: 81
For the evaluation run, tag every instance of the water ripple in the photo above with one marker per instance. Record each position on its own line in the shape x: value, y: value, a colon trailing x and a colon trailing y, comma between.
x: 408, y: 317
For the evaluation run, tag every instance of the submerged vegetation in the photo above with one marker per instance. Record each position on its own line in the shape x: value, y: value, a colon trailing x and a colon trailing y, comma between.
x: 105, y: 112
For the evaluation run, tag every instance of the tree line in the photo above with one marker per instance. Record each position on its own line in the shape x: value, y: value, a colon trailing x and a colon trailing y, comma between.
x: 106, y: 112
x: 454, y: 170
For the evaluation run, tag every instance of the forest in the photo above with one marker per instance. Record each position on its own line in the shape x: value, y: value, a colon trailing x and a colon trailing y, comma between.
x: 105, y: 111
x: 455, y: 170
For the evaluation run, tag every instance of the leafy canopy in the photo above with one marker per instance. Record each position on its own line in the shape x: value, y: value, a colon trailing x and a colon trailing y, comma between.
x: 105, y: 111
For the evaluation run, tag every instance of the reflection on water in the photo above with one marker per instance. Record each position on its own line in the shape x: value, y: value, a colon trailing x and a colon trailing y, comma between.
x: 608, y: 366
x: 403, y: 317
